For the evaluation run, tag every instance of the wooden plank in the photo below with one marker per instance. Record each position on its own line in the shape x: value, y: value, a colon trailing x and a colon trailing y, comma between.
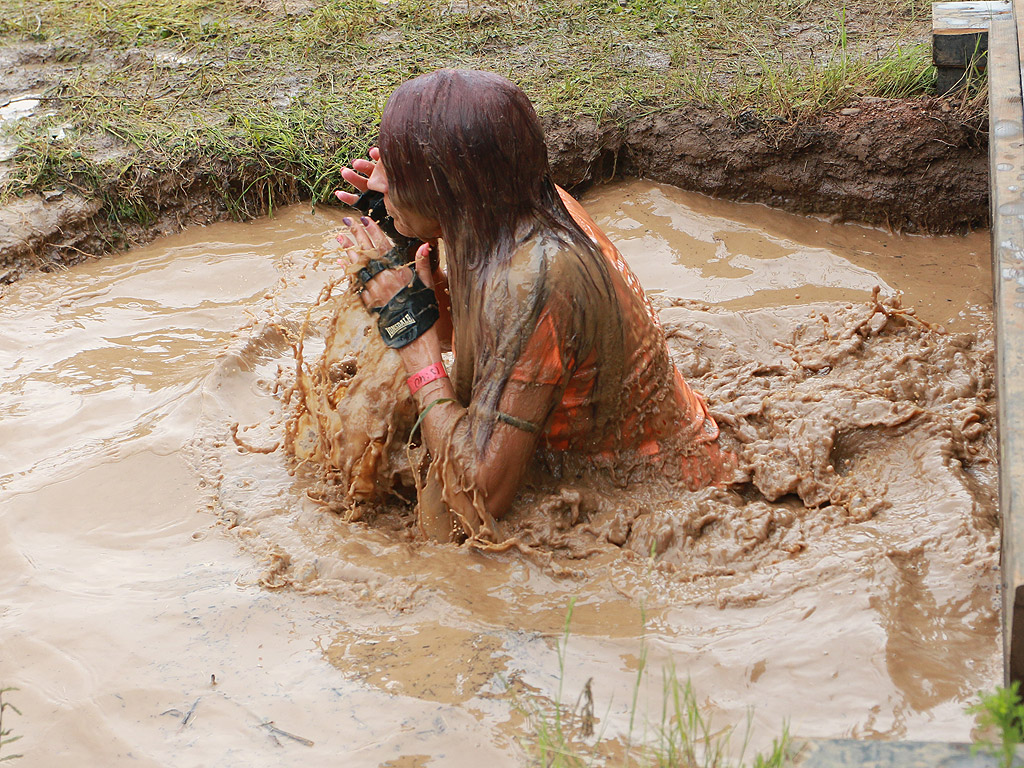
x: 1006, y: 157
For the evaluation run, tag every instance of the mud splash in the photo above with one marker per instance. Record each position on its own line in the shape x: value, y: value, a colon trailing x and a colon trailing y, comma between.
x: 865, y: 607
x: 352, y: 414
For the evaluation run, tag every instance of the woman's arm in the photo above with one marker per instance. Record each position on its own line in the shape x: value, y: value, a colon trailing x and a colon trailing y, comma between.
x: 439, y: 282
x: 493, y: 477
x: 497, y: 473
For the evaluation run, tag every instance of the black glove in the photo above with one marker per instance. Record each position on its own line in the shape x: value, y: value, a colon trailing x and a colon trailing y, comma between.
x: 408, y: 315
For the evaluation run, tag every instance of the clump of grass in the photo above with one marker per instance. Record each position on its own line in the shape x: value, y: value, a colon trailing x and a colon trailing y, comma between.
x: 794, y: 91
x: 6, y: 739
x: 1000, y: 720
x: 564, y: 737
x: 690, y: 740
x: 118, y: 23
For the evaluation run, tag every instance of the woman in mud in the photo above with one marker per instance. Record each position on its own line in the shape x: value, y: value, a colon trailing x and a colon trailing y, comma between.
x: 558, y: 354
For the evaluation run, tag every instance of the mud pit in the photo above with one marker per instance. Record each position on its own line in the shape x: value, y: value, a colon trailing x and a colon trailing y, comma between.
x: 862, y: 602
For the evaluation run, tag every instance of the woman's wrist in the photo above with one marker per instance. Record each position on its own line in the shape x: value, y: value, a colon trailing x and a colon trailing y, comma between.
x: 421, y: 352
x: 425, y: 375
x: 441, y: 388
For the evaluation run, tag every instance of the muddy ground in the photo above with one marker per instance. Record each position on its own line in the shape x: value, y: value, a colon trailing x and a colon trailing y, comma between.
x: 914, y: 165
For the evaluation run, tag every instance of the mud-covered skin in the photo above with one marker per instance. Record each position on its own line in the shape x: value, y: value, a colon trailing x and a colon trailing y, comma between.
x: 603, y: 334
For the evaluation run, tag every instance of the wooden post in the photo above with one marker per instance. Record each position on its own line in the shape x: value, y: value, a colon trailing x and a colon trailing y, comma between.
x: 1006, y: 158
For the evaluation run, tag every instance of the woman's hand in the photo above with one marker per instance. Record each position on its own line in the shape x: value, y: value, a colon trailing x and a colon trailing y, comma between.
x: 365, y: 241
x: 358, y: 176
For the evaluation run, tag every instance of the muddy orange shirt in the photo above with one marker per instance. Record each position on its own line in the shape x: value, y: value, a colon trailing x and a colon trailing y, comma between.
x: 547, y: 357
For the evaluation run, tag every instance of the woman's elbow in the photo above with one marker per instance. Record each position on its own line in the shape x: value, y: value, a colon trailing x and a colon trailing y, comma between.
x: 498, y: 490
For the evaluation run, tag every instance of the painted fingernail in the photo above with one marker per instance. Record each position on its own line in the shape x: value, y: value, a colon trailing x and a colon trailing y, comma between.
x: 347, y: 221
x: 366, y: 221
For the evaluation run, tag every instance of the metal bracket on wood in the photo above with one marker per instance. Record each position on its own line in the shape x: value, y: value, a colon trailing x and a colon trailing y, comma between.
x: 960, y: 39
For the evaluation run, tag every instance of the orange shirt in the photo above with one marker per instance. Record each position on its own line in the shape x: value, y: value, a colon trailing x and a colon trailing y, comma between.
x: 546, y: 359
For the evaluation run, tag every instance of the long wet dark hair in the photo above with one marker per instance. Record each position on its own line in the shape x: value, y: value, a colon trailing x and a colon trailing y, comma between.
x: 466, y: 148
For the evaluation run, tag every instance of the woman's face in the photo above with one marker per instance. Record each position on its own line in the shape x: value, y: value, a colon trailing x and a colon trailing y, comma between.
x: 408, y: 222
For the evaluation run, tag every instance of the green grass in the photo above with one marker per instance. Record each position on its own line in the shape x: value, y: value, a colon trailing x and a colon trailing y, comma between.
x: 255, y: 103
x: 1000, y: 720
x: 683, y: 737
x: 6, y: 739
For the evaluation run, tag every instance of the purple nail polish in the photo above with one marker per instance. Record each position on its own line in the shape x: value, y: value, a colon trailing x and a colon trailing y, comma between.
x: 366, y: 221
x: 347, y: 221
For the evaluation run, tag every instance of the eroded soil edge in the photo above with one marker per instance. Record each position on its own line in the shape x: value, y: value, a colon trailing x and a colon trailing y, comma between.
x: 911, y: 165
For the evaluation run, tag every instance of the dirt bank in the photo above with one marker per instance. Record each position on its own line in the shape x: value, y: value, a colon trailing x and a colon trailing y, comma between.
x: 909, y: 165
x: 906, y: 165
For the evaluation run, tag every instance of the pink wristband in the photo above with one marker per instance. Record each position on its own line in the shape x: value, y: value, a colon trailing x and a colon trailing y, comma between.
x: 424, y: 376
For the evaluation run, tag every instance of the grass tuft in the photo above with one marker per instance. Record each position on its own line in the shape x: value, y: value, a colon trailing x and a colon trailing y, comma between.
x: 1000, y: 720
x: 564, y: 737
x: 5, y: 733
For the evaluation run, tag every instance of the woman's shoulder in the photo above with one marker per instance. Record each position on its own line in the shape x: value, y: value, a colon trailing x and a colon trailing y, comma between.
x: 548, y: 257
x: 534, y: 262
x: 533, y: 281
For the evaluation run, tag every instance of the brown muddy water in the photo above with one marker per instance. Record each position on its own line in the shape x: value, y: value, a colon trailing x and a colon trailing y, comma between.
x: 169, y: 597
